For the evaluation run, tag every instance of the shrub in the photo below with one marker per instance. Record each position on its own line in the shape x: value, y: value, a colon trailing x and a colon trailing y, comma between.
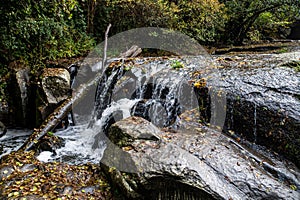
x: 200, y: 19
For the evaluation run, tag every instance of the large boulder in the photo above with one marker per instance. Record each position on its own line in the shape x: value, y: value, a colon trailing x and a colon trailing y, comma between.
x: 53, y: 88
x: 252, y: 97
x: 197, y: 163
x: 14, y: 102
x: 56, y: 84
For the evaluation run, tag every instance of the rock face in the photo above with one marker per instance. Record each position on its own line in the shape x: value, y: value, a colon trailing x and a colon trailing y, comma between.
x: 29, y: 100
x: 262, y: 104
x: 194, y: 163
x: 14, y: 110
x: 295, y: 31
x: 56, y: 84
x: 2, y: 129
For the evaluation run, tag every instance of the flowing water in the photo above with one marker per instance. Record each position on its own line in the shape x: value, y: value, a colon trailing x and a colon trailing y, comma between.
x: 150, y: 90
x: 12, y: 140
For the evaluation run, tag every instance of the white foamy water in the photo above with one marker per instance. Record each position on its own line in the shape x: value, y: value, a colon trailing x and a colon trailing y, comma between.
x: 82, y: 144
x: 78, y: 146
x: 12, y: 140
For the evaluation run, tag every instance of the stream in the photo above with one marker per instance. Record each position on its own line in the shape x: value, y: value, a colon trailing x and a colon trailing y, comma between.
x: 248, y: 107
x: 150, y: 90
x: 12, y: 140
x: 147, y: 91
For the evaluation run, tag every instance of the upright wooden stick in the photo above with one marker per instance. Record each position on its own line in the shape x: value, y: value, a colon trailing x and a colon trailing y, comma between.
x: 62, y: 111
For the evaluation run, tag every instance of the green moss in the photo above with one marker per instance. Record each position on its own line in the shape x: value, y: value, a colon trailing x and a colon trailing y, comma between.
x: 283, y: 50
x: 177, y: 64
x: 294, y: 65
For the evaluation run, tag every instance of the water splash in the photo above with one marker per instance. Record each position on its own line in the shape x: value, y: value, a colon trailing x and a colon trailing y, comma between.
x: 159, y: 92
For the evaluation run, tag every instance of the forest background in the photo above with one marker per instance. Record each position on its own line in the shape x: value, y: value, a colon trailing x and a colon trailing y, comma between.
x: 34, y: 32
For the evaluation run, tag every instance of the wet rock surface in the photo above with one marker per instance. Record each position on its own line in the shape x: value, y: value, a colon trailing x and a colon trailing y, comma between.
x: 14, y: 103
x: 3, y: 129
x: 56, y: 84
x: 204, y: 162
x: 190, y: 158
x: 262, y: 101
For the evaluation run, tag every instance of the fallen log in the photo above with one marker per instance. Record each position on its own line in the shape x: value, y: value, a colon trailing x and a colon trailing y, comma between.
x: 51, y: 122
x: 62, y: 111
x: 59, y: 113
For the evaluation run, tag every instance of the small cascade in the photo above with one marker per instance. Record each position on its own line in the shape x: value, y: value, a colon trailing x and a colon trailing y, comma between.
x: 254, y: 124
x: 152, y: 90
x: 104, y: 91
x: 176, y: 191
x: 161, y: 93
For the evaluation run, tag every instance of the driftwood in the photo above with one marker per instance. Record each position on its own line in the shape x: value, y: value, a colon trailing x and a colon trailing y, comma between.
x: 132, y: 52
x: 62, y: 111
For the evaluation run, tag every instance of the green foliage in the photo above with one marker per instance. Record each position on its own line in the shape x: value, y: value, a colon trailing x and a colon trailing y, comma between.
x: 294, y: 65
x: 176, y: 64
x: 128, y: 14
x: 293, y: 187
x: 200, y: 19
x: 259, y: 19
x: 50, y: 133
x: 34, y: 31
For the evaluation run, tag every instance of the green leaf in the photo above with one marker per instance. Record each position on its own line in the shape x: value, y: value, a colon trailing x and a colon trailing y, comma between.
x: 50, y: 133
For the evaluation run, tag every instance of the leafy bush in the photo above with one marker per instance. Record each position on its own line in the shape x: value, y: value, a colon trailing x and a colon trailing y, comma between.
x: 258, y: 19
x: 127, y: 14
x: 200, y: 19
x: 37, y: 30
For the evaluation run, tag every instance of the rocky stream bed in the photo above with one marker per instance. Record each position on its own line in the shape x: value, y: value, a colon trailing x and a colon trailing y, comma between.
x: 236, y: 138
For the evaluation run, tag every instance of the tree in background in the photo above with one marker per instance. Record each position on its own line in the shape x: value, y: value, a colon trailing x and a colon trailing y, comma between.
x: 33, y: 31
x: 200, y: 19
x: 260, y: 16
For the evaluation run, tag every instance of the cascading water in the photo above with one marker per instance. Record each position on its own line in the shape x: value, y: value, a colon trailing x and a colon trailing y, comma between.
x: 152, y: 90
x: 255, y: 124
x: 12, y: 140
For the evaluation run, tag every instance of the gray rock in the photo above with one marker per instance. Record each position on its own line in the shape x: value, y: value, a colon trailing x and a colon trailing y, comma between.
x: 262, y: 102
x: 3, y: 129
x: 14, y: 110
x: 135, y: 128
x: 22, y: 76
x: 198, y: 163
x: 56, y: 84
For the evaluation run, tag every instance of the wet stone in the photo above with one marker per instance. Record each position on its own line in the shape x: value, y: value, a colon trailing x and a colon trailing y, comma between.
x: 210, y: 167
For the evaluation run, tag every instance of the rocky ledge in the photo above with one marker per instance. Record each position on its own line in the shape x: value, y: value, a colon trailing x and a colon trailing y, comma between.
x: 196, y: 163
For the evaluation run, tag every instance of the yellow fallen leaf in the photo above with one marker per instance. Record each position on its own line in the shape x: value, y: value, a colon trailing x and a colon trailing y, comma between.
x: 16, y: 193
x: 34, y: 189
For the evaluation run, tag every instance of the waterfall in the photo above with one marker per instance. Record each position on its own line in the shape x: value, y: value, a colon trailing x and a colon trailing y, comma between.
x: 152, y: 90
